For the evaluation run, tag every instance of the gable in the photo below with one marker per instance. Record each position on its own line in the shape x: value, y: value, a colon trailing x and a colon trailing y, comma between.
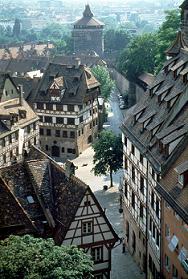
x: 9, y: 90
x: 90, y: 211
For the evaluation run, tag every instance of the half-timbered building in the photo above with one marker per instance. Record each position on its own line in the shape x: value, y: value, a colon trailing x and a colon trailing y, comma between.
x: 153, y: 137
x: 66, y: 101
x: 41, y: 198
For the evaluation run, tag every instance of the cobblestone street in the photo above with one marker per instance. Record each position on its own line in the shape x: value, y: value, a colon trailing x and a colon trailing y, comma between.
x: 123, y: 266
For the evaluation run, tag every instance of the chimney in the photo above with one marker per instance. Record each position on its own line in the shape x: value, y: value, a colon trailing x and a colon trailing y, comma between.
x: 20, y: 88
x: 77, y: 63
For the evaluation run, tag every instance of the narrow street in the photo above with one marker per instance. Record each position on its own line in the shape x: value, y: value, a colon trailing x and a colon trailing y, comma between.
x: 123, y: 266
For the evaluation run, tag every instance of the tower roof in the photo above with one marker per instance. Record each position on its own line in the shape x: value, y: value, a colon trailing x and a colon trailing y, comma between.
x: 88, y: 19
x: 87, y: 12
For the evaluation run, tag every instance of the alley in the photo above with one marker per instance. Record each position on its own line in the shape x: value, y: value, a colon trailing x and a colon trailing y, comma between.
x: 123, y: 266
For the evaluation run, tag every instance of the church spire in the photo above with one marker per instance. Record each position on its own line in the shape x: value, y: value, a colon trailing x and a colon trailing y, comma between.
x: 87, y: 12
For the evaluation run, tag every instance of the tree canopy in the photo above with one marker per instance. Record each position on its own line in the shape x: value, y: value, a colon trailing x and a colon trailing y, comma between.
x: 107, y: 84
x: 116, y: 39
x: 36, y: 258
x: 139, y: 56
x: 146, y: 53
x: 108, y: 157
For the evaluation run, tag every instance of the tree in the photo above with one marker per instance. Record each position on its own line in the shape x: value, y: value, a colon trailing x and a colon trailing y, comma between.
x: 107, y: 84
x: 116, y: 39
x: 28, y: 258
x: 166, y: 35
x: 139, y: 56
x: 16, y: 28
x: 108, y: 157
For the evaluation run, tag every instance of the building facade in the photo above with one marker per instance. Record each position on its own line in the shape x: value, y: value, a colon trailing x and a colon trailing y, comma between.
x: 88, y: 34
x: 41, y: 198
x: 66, y: 102
x: 153, y: 137
x: 173, y: 188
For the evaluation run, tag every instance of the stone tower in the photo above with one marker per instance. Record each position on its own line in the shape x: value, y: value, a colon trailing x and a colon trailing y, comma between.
x: 88, y: 34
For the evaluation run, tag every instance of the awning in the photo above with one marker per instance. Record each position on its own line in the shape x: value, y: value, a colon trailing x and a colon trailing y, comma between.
x: 173, y: 243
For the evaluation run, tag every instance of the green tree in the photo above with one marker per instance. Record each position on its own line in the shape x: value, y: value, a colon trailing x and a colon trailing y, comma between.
x: 166, y: 35
x: 108, y: 157
x: 107, y: 84
x: 36, y: 258
x: 16, y: 28
x: 139, y: 56
x: 116, y: 39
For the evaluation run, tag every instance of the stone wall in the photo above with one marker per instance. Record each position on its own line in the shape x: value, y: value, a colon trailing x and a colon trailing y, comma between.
x: 124, y: 86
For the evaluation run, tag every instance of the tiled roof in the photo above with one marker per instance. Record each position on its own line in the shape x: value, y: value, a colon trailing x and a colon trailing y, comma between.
x: 170, y: 111
x: 77, y: 80
x: 87, y: 60
x: 12, y: 107
x: 88, y: 19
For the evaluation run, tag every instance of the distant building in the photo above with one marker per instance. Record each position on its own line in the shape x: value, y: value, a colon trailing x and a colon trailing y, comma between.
x: 88, y: 34
x: 154, y: 137
x: 66, y: 101
x: 39, y: 197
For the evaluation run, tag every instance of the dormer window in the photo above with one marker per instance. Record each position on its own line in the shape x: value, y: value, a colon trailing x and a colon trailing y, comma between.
x: 30, y: 199
x: 182, y: 171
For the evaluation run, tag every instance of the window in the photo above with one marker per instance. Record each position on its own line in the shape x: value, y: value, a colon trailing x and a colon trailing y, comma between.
x: 126, y: 163
x: 152, y: 199
x: 167, y: 263
x: 132, y: 149
x: 141, y: 211
x: 49, y: 106
x: 133, y: 173
x: 30, y: 199
x: 153, y: 233
x: 141, y: 184
x: 153, y: 174
x: 35, y: 141
x: 3, y: 142
x: 72, y: 134
x: 126, y: 190
x: 59, y: 120
x: 79, y: 133
x: 48, y: 132
x: 71, y: 150
x: 62, y: 149
x: 174, y: 272
x: 133, y: 200
x: 28, y: 129
x: 70, y: 108
x: 46, y: 147
x: 10, y: 138
x: 40, y: 106
x: 48, y: 119
x: 4, y: 158
x: 125, y: 140
x: 141, y: 159
x: 70, y: 121
x: 87, y: 227
x: 34, y: 126
x: 157, y: 207
x: 81, y: 119
x: 167, y: 230
x: 41, y: 131
x: 12, y: 91
x: 97, y: 254
x: 65, y: 134
x: 59, y: 107
x: 150, y: 224
x: 57, y: 133
x: 40, y: 118
x: 90, y: 125
x: 157, y: 238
